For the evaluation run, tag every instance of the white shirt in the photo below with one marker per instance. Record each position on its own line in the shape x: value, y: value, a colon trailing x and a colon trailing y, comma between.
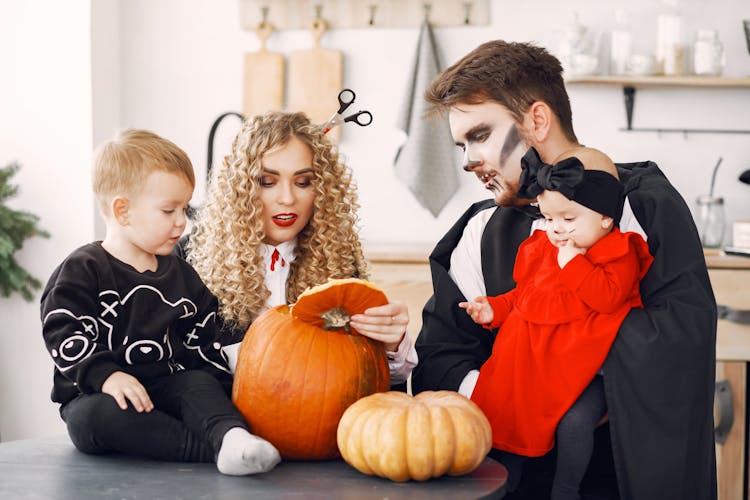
x: 466, y: 264
x: 276, y: 279
x: 400, y: 362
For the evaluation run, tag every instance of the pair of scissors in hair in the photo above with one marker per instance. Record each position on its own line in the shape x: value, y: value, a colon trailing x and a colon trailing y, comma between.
x: 346, y: 98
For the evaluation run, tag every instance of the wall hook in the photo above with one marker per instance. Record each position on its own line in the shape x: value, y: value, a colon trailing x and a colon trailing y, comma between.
x: 371, y: 21
x: 264, y: 28
x: 319, y: 26
x: 427, y: 6
x: 467, y: 13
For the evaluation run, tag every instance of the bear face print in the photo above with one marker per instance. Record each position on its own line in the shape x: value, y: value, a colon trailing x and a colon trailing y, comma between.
x: 76, y: 346
x: 139, y: 323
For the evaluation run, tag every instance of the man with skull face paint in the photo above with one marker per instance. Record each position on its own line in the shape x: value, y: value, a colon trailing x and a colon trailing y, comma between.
x: 501, y: 99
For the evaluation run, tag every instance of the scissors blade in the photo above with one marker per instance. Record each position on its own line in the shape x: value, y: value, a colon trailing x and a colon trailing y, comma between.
x: 332, y: 122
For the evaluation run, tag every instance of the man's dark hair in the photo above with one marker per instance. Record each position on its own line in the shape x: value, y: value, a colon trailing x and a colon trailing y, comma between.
x: 511, y: 73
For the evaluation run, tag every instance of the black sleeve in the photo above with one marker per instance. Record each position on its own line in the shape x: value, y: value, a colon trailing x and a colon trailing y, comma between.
x: 663, y: 358
x: 199, y: 334
x: 75, y: 339
x: 450, y: 344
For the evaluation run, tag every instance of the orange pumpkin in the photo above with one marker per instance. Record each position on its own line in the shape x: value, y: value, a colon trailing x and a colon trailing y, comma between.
x: 300, y: 367
x: 401, y: 437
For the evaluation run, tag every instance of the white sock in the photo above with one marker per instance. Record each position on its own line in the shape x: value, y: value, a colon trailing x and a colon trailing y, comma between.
x: 242, y: 453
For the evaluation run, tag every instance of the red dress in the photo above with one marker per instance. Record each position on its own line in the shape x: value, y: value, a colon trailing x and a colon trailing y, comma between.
x: 557, y: 327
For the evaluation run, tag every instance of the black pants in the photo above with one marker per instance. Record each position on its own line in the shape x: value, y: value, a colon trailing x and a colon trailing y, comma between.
x: 575, y: 440
x: 190, y: 417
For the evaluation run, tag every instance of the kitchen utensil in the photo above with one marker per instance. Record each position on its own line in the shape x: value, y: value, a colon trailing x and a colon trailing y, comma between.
x: 315, y: 74
x: 263, y: 88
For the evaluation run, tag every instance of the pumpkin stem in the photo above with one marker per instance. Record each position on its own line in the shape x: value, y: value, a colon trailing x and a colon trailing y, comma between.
x: 335, y: 319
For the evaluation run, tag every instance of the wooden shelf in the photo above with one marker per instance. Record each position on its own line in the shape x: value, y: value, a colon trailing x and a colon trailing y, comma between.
x: 662, y: 81
x: 629, y: 85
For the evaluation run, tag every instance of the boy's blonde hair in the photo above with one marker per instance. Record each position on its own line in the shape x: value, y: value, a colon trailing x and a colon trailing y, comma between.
x: 122, y: 163
x: 225, y: 242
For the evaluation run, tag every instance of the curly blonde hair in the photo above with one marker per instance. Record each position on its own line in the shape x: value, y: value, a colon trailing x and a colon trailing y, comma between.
x: 225, y: 241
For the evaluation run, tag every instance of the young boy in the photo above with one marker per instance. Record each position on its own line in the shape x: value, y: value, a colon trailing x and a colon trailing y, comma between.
x: 130, y: 327
x: 575, y: 285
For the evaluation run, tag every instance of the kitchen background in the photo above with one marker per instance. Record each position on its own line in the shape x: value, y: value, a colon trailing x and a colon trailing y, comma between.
x: 75, y: 71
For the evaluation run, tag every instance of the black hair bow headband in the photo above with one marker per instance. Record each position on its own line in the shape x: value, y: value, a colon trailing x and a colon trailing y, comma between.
x: 594, y: 189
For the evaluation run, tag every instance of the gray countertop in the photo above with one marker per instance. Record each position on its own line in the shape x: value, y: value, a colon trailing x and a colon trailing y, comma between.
x: 51, y: 468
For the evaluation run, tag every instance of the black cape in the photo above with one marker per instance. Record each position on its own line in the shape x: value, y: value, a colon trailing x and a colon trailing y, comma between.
x: 659, y: 375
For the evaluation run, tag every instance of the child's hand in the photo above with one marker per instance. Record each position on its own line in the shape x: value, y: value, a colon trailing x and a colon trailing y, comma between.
x: 567, y: 251
x: 479, y: 309
x: 122, y: 386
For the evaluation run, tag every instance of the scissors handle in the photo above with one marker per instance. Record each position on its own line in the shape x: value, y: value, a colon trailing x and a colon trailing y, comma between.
x: 361, y: 118
x: 346, y: 98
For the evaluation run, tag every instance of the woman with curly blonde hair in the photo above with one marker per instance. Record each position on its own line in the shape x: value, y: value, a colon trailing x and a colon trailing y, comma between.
x: 280, y: 216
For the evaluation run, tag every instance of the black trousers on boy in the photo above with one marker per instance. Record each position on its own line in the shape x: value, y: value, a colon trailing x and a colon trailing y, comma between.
x: 190, y: 417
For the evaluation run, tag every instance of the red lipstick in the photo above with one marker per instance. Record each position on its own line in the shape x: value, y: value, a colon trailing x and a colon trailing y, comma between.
x: 284, y: 220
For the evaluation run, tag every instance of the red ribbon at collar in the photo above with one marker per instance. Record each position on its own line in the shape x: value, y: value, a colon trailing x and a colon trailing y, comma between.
x: 275, y: 257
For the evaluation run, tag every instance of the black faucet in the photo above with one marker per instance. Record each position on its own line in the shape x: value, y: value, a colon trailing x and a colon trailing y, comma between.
x: 209, y: 162
x: 211, y: 134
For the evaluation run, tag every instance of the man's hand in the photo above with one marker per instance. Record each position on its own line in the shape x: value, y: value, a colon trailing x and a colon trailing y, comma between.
x: 567, y: 251
x: 122, y: 387
x: 479, y: 309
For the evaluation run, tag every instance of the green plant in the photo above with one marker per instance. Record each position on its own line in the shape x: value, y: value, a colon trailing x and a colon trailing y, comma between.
x: 15, y: 227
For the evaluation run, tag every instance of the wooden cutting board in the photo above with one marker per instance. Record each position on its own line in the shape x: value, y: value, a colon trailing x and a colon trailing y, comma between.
x: 315, y: 78
x: 263, y: 88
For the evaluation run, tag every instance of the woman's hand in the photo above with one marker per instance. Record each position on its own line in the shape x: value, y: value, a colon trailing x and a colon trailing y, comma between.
x: 384, y: 323
x: 122, y: 387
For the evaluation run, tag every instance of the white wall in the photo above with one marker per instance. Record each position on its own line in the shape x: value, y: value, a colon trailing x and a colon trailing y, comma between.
x: 45, y: 125
x: 178, y: 80
x: 173, y: 66
x: 105, y: 77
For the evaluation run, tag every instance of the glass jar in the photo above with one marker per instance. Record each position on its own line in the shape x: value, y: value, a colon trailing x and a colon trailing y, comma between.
x: 620, y: 44
x: 709, y: 218
x: 670, y: 46
x: 577, y: 50
x: 708, y: 53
